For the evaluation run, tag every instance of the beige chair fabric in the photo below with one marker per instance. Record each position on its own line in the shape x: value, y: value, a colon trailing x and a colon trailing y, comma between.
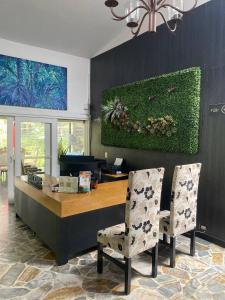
x: 141, y: 228
x: 183, y: 207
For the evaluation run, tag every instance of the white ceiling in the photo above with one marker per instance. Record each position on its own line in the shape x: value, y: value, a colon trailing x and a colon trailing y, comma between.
x: 77, y: 27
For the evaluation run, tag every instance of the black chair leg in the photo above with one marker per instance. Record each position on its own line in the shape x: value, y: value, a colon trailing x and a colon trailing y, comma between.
x: 154, y: 261
x: 127, y: 275
x: 164, y: 238
x: 192, y: 246
x: 100, y: 259
x: 172, y: 251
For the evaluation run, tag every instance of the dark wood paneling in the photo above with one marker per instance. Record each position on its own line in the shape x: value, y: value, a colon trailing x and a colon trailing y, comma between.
x: 199, y: 41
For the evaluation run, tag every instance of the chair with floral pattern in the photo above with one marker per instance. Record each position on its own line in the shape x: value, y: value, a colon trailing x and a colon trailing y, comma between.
x: 140, y: 231
x: 183, y: 207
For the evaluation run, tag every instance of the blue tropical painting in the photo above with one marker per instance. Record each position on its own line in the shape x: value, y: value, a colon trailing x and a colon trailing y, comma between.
x: 27, y: 83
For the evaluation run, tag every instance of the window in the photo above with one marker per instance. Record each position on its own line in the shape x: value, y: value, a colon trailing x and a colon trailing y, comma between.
x: 33, y: 144
x: 71, y: 134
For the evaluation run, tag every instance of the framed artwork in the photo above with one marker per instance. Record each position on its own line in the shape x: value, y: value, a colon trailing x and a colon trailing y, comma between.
x: 27, y: 83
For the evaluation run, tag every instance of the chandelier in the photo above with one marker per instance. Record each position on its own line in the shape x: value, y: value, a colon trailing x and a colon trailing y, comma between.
x: 137, y: 10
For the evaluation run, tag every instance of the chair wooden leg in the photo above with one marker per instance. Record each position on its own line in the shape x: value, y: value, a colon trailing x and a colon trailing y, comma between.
x: 154, y: 261
x: 127, y: 275
x: 192, y: 246
x: 172, y: 251
x: 100, y: 259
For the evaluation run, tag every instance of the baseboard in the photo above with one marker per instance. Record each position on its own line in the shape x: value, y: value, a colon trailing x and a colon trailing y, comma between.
x: 210, y: 239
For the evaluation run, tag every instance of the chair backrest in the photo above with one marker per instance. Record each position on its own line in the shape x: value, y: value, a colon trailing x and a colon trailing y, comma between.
x: 142, y: 210
x: 183, y: 210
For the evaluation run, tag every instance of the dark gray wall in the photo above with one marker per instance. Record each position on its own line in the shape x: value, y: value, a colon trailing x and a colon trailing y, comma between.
x: 199, y: 41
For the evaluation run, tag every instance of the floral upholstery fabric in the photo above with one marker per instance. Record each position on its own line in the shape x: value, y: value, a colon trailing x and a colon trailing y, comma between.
x: 183, y: 207
x: 141, y: 228
x: 113, y: 237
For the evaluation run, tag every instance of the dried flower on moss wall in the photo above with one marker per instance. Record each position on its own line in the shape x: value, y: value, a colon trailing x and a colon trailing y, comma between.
x: 161, y: 126
x: 115, y: 112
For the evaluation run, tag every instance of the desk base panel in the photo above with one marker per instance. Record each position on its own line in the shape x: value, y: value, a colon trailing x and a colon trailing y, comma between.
x: 66, y: 237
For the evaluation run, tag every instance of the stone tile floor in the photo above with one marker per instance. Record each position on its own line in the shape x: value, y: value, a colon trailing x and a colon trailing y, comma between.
x: 28, y: 270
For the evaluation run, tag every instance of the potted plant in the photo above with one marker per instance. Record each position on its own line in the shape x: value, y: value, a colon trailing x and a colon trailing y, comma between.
x: 62, y: 150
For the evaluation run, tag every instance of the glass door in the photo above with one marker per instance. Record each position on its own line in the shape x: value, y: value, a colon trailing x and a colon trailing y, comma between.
x: 36, y: 146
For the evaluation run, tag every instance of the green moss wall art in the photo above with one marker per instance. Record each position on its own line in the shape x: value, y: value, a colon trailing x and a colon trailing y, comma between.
x: 160, y: 113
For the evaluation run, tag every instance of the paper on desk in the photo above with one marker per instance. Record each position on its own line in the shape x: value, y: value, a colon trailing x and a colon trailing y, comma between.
x: 118, y: 161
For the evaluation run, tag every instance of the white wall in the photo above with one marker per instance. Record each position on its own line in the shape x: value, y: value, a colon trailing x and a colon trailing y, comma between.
x: 78, y: 72
x: 126, y: 35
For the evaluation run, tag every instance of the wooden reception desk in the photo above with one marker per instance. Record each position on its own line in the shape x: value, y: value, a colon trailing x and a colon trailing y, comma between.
x: 68, y: 223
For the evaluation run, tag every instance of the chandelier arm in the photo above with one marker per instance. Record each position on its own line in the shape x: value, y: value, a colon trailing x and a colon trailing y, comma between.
x: 120, y: 18
x: 135, y: 33
x: 145, y: 4
x: 167, y: 24
x: 177, y: 9
x: 160, y: 2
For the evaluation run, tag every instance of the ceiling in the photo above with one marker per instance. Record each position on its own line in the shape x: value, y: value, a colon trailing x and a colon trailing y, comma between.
x: 77, y: 27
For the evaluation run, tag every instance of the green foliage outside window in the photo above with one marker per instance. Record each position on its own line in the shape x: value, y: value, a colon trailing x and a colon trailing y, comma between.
x: 71, y: 136
x: 62, y: 150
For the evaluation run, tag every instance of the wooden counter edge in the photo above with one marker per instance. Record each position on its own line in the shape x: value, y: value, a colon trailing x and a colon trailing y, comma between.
x: 38, y: 196
x: 71, y: 207
x: 106, y: 195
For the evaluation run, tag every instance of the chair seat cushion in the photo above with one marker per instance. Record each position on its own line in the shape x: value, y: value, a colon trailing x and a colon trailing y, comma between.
x: 113, y: 237
x: 164, y: 213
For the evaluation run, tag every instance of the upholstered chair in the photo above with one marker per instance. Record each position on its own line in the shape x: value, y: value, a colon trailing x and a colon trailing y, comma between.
x: 140, y: 231
x: 183, y: 207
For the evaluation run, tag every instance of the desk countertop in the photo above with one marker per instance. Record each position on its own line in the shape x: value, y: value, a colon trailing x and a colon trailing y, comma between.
x: 64, y: 205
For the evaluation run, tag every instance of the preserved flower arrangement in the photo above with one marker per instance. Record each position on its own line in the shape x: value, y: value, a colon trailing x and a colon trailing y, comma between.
x: 116, y: 113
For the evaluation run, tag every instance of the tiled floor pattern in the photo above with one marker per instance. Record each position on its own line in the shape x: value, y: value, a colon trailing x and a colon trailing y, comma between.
x: 28, y: 270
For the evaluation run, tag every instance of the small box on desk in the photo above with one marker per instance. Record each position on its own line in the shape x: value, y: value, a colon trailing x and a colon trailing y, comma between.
x: 35, y: 180
x: 68, y: 184
x: 84, y: 181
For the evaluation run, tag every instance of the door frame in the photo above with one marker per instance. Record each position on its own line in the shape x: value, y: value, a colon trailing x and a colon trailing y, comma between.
x: 10, y: 160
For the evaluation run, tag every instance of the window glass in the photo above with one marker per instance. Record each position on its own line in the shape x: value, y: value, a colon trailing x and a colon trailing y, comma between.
x: 71, y: 136
x: 33, y: 144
